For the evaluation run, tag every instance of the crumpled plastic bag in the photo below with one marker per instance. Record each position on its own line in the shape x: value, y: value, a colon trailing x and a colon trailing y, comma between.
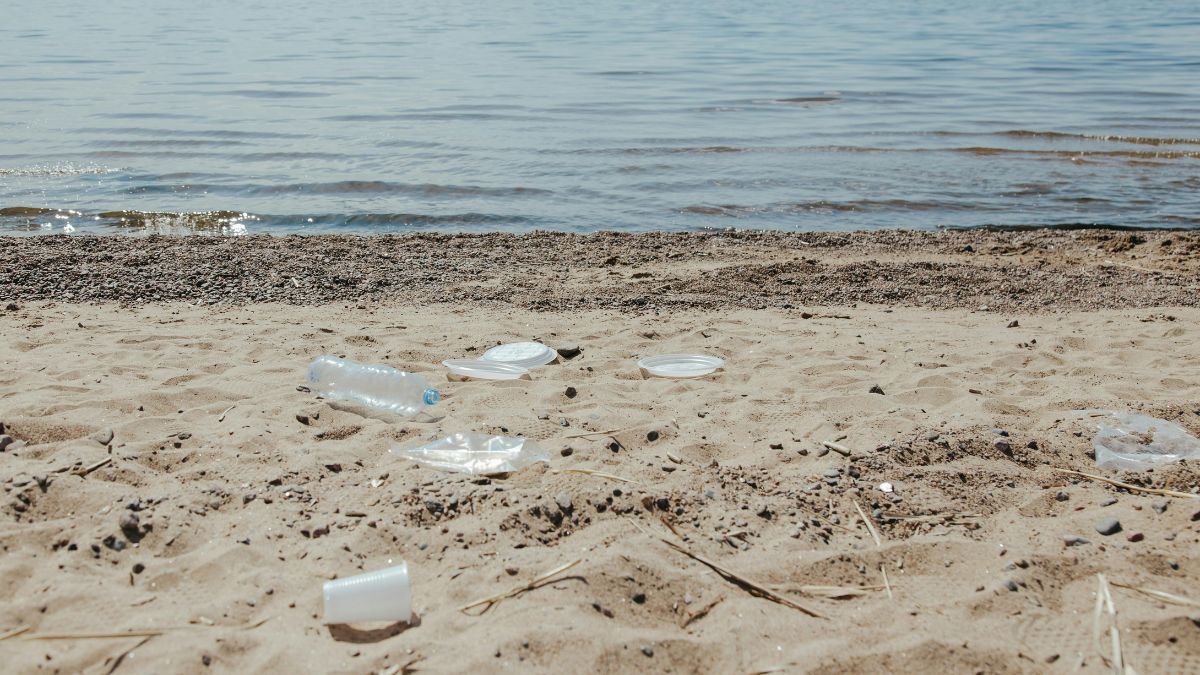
x: 476, y: 454
x: 1134, y: 442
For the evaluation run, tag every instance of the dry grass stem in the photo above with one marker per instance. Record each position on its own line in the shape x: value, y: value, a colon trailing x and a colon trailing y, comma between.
x: 88, y: 469
x: 120, y: 659
x: 1157, y: 595
x: 225, y: 412
x: 494, y: 600
x: 94, y: 636
x: 886, y: 584
x: 14, y: 633
x: 593, y: 433
x: 1127, y: 486
x: 869, y: 524
x: 757, y: 590
x: 700, y: 613
x: 598, y: 474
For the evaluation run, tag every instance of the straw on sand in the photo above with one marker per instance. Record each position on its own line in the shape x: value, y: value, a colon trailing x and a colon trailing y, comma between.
x: 1127, y: 486
x: 757, y: 590
x: 540, y: 581
x: 1157, y: 595
x: 598, y: 474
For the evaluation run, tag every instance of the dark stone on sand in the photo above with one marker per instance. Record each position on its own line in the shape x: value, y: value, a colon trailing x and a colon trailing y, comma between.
x: 569, y: 351
x: 1061, y: 496
x: 570, y: 392
x: 129, y: 523
x: 1002, y: 445
x: 567, y: 451
x: 639, y: 598
x: 12, y: 307
x: 648, y: 650
x: 1013, y: 323
x: 876, y: 389
x: 564, y: 502
x: 1135, y: 537
x: 652, y: 436
x: 1108, y: 526
x: 5, y: 441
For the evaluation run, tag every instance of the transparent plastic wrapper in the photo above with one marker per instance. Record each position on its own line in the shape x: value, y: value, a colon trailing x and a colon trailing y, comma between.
x: 382, y: 595
x: 476, y: 453
x: 1134, y: 442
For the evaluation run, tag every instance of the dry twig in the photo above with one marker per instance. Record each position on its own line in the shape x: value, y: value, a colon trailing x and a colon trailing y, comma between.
x: 88, y: 469
x: 869, y: 524
x: 1157, y: 595
x: 700, y: 613
x: 1127, y: 486
x: 494, y: 600
x: 117, y: 663
x: 886, y: 584
x: 757, y: 590
x: 14, y: 632
x: 598, y: 474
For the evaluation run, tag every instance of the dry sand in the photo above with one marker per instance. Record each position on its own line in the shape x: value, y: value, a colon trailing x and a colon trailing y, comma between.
x: 243, y: 510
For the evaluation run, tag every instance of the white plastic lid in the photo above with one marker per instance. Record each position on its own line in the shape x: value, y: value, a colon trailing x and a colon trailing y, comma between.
x: 680, y: 365
x: 485, y: 370
x: 524, y: 354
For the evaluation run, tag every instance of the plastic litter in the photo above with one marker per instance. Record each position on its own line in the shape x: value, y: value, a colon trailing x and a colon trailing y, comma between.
x: 1131, y: 441
x: 524, y: 354
x: 375, y: 386
x: 382, y: 595
x: 476, y: 453
x: 680, y: 365
x: 484, y: 369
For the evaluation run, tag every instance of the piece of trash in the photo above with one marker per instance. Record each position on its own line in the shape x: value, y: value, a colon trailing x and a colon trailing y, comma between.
x: 1131, y: 441
x: 680, y: 365
x: 476, y: 454
x: 375, y: 386
x: 485, y: 369
x: 382, y: 595
x: 886, y: 487
x: 523, y: 354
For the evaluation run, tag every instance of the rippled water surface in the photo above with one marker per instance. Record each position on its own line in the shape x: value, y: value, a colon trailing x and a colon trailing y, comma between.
x: 385, y: 116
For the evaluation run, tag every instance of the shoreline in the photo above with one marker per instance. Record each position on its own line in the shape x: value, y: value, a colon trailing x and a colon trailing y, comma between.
x: 1031, y: 271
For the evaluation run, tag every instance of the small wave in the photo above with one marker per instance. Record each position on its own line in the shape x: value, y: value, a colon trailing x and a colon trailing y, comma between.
x: 384, y: 187
x: 826, y: 206
x: 277, y: 93
x: 58, y: 170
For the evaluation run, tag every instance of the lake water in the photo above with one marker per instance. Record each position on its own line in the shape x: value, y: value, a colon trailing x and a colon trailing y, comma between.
x: 265, y: 116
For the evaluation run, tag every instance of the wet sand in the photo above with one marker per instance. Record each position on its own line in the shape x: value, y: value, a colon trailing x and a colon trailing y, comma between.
x: 226, y: 496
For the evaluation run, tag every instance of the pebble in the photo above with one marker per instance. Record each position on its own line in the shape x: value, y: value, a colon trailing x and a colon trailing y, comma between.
x: 5, y: 441
x: 103, y: 437
x: 512, y: 571
x: 1011, y: 585
x: 1159, y: 506
x: 1061, y: 496
x: 639, y: 598
x: 564, y: 502
x: 1109, y: 502
x: 1108, y: 526
x: 567, y: 451
x: 569, y: 351
x: 832, y: 473
x: 128, y: 523
x: 652, y: 436
x: 1135, y: 537
x: 876, y: 389
x: 1002, y: 445
x: 1013, y: 324
x: 648, y: 651
x: 1075, y: 540
x: 570, y: 392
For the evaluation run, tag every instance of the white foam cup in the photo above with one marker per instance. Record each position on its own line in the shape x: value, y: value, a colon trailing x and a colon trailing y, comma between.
x: 382, y: 595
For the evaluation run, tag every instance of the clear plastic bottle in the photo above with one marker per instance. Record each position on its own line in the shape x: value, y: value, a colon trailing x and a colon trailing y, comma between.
x: 373, y: 385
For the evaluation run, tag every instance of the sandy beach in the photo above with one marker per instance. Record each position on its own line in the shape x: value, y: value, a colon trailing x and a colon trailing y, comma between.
x: 168, y: 476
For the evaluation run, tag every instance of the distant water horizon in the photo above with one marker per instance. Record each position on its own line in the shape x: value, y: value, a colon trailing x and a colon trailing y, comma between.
x: 310, y: 117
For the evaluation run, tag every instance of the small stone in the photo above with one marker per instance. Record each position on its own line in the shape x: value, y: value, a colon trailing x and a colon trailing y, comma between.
x: 652, y: 436
x: 567, y: 451
x: 1108, y: 526
x: 1109, y: 501
x: 128, y: 523
x: 1002, y: 445
x: 648, y: 650
x: 1061, y: 496
x: 1196, y: 516
x: 512, y: 571
x: 1013, y: 324
x: 639, y: 598
x: 876, y: 389
x: 12, y: 307
x: 6, y: 441
x: 1135, y: 537
x: 777, y: 446
x: 1159, y: 506
x: 571, y: 392
x: 138, y: 568
x: 831, y: 473
x: 1075, y: 540
x: 1011, y: 585
x: 307, y: 417
x: 249, y: 497
x: 569, y: 351
x: 564, y: 502
x: 663, y: 503
x: 1172, y: 564
x: 103, y: 437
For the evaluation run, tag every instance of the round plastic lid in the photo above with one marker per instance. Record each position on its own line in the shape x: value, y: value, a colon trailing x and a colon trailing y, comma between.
x: 525, y: 354
x: 680, y: 365
x: 485, y: 370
